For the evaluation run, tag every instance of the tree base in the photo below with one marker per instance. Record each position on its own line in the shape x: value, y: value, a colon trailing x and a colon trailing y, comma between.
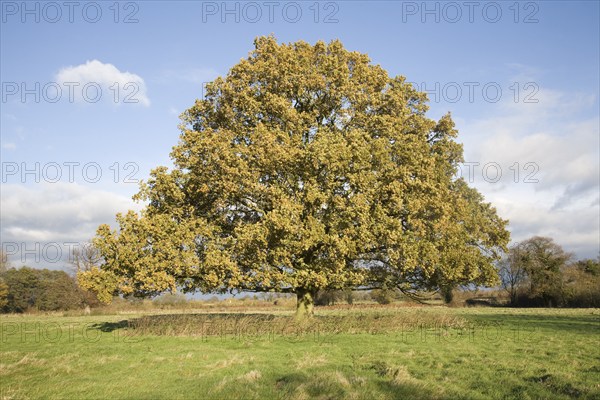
x: 305, y: 303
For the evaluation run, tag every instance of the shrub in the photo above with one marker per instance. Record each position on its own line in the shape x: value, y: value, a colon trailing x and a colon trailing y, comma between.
x: 383, y: 296
x: 40, y: 289
x: 170, y: 300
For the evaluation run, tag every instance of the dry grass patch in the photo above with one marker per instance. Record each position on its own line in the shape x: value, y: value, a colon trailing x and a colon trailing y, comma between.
x: 229, y: 362
x: 310, y: 360
x: 340, y: 378
x: 251, y: 376
x: 30, y: 359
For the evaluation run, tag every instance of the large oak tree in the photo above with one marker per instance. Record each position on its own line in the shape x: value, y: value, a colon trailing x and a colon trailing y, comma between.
x: 306, y: 167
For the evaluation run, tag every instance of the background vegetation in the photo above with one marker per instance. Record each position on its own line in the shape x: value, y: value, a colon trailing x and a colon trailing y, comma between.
x: 534, y: 273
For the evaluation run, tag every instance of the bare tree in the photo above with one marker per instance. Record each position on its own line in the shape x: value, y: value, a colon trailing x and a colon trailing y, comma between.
x: 85, y: 257
x: 512, y: 271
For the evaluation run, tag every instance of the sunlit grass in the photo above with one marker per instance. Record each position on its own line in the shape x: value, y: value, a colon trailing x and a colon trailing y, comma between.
x: 381, y: 354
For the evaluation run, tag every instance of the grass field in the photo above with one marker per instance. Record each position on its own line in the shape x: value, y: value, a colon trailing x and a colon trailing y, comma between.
x: 395, y: 353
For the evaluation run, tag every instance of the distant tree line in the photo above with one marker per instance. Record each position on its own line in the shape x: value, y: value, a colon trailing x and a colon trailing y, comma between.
x: 30, y: 289
x: 539, y: 273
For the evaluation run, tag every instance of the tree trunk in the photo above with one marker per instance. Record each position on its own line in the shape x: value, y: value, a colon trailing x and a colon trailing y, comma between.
x: 513, y: 298
x: 447, y: 294
x: 304, y: 303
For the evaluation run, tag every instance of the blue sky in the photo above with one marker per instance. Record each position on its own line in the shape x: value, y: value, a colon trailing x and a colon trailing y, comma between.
x: 520, y: 78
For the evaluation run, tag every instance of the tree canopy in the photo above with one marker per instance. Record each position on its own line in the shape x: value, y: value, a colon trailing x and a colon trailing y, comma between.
x: 306, y: 167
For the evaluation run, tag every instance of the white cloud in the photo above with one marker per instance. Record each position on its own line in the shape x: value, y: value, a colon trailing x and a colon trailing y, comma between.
x: 560, y: 135
x: 54, y: 214
x: 9, y: 146
x: 116, y: 86
x: 576, y: 230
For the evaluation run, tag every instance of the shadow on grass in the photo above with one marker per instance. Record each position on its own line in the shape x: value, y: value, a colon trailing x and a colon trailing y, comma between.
x: 111, y: 326
x: 202, y: 324
x: 260, y: 324
x: 556, y: 385
x: 180, y: 320
x: 169, y: 317
x: 257, y: 324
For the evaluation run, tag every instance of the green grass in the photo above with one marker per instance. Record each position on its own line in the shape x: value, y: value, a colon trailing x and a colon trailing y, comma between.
x: 396, y: 353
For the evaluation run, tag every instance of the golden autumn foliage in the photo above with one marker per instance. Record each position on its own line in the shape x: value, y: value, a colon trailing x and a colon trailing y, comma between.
x: 306, y: 167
